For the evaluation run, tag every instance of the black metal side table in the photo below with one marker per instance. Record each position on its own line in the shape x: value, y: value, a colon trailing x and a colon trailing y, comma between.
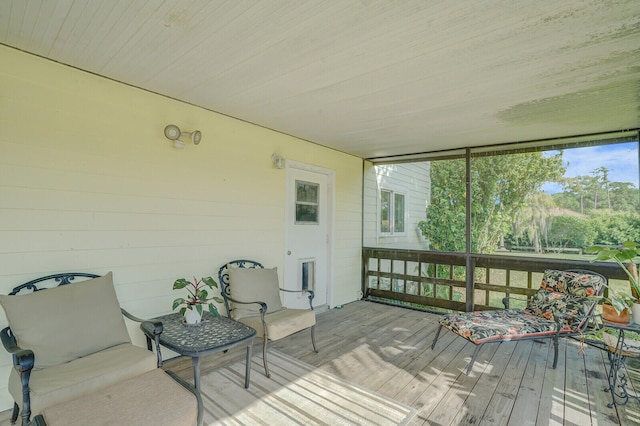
x: 618, y: 380
x: 213, y: 334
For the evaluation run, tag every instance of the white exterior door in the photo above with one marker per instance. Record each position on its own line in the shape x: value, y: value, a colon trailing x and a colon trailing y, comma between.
x: 307, y: 257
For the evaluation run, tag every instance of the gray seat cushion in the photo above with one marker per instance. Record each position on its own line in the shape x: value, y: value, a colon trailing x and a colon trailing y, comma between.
x: 52, y: 385
x: 282, y: 323
x: 152, y: 398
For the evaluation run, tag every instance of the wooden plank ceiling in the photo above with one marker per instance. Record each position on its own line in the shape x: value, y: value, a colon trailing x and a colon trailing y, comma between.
x: 368, y: 77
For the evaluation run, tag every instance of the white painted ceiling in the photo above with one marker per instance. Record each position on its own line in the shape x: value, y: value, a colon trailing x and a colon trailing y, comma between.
x: 371, y: 77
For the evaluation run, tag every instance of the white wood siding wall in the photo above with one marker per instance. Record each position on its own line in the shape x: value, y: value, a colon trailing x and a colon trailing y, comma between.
x: 411, y: 179
x: 88, y: 182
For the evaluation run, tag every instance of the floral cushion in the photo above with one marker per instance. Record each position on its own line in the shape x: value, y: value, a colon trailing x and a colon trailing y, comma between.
x: 576, y: 283
x: 561, y: 292
x: 547, y: 304
x: 484, y: 326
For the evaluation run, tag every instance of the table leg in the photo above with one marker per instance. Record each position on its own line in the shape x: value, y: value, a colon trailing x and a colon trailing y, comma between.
x: 618, y: 379
x: 195, y: 361
x: 247, y: 370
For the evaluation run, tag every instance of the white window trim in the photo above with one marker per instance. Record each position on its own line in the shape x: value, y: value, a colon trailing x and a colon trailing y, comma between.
x: 391, y: 212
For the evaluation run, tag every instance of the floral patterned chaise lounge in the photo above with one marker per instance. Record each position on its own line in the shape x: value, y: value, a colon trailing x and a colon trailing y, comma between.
x: 560, y: 308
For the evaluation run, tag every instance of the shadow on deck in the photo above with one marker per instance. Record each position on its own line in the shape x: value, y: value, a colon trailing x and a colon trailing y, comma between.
x: 387, y: 349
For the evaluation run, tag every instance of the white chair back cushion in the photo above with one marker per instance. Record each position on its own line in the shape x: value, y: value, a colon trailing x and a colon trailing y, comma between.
x: 67, y: 322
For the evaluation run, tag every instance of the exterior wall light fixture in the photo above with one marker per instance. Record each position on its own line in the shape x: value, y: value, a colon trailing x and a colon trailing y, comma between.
x: 179, y: 138
x: 278, y: 161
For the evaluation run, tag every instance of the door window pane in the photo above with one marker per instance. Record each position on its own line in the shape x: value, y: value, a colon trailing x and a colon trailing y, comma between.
x: 306, y: 202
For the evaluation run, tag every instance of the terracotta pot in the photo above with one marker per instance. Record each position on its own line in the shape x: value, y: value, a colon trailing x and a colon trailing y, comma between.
x: 610, y: 314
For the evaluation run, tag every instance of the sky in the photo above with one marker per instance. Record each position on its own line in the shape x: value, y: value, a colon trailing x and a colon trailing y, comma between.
x: 620, y: 159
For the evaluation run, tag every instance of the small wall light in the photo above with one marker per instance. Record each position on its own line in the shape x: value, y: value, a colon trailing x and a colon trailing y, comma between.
x: 278, y: 161
x: 179, y: 138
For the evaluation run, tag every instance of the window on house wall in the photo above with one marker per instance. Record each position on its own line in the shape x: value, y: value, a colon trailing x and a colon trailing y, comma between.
x: 392, y: 212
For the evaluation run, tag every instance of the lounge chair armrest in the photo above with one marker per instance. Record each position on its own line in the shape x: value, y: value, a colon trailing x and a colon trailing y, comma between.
x: 23, y: 359
x: 583, y: 320
x: 506, y: 300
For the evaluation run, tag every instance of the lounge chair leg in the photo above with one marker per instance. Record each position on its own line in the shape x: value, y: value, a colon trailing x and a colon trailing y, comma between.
x: 264, y: 357
x: 555, y: 351
x: 14, y: 413
x: 435, y: 339
x: 473, y: 359
x: 313, y: 338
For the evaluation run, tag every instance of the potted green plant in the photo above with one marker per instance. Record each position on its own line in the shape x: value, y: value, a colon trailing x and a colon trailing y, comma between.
x: 624, y: 256
x: 197, y: 297
x: 617, y: 307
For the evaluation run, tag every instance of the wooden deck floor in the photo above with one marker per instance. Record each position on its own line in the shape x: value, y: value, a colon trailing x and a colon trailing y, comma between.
x: 387, y: 349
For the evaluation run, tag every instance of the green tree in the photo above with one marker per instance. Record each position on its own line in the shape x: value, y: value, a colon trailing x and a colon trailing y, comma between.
x: 533, y: 220
x: 611, y: 227
x: 586, y: 193
x: 445, y: 224
x: 601, y: 183
x: 573, y: 196
x: 570, y: 231
x: 500, y: 187
x: 624, y: 197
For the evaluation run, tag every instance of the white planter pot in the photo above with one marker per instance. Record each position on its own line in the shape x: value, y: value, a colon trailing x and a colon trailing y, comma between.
x: 635, y: 312
x: 192, y: 317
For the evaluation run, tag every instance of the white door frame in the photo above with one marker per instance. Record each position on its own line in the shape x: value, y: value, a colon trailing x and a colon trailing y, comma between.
x: 331, y: 179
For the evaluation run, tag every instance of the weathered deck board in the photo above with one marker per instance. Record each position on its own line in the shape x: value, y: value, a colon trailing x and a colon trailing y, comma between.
x: 576, y: 396
x: 388, y: 349
x: 501, y: 404
x: 551, y: 405
x: 597, y: 382
x: 477, y: 401
x: 529, y: 394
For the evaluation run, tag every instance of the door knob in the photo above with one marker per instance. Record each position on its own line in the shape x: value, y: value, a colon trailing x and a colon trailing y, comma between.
x: 288, y: 252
